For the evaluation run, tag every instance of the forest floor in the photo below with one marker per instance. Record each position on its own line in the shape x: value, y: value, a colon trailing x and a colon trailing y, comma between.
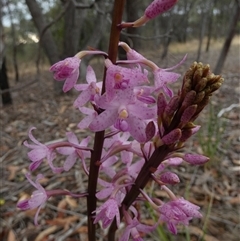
x: 214, y: 187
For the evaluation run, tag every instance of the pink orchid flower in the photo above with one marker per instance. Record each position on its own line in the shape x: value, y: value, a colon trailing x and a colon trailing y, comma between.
x: 107, y: 212
x: 68, y: 70
x: 125, y: 113
x: 179, y: 211
x: 73, y: 153
x: 134, y: 228
x: 121, y: 78
x: 39, y: 151
x: 88, y: 90
x: 38, y: 198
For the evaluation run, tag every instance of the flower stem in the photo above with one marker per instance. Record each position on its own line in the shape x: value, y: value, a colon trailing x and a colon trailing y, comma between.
x: 99, y: 136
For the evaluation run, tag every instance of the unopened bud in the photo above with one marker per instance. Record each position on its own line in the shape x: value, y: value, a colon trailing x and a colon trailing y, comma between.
x: 195, y: 159
x: 172, y: 137
x: 201, y: 85
x: 189, y: 99
x: 187, y: 133
x: 172, y: 106
x: 215, y: 87
x: 188, y: 113
x: 173, y: 161
x: 150, y: 131
x: 199, y: 97
x: 158, y: 7
x: 169, y: 178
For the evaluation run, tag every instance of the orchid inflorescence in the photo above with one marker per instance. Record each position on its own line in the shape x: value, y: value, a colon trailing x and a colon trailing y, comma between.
x: 143, y: 128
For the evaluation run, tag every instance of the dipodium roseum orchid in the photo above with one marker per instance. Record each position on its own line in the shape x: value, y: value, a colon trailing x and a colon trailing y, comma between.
x: 118, y: 77
x: 38, y: 198
x: 39, y: 151
x: 125, y: 113
x: 68, y: 70
x: 134, y: 227
x: 73, y: 153
x: 107, y: 212
x: 88, y: 90
x: 140, y: 128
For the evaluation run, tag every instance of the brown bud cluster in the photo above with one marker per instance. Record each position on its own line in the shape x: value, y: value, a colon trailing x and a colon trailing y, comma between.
x: 179, y: 113
x: 198, y: 85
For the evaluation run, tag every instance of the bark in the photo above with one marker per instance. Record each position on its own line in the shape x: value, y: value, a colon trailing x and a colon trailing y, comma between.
x: 132, y: 15
x: 201, y: 35
x: 210, y: 25
x: 4, y: 85
x: 100, y: 26
x: 47, y: 40
x: 73, y: 20
x: 14, y: 44
x: 228, y: 40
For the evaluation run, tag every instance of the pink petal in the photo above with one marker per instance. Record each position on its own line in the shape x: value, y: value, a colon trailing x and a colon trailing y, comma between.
x: 72, y: 138
x: 104, y: 120
x: 137, y: 128
x: 81, y: 87
x: 37, y: 154
x: 70, y: 161
x: 71, y: 81
x: 65, y: 150
x: 83, y: 98
x: 90, y: 77
x: 104, y: 193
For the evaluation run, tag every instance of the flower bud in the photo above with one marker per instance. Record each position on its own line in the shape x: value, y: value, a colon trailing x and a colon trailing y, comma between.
x: 158, y: 7
x: 188, y: 113
x: 195, y: 159
x: 201, y: 85
x: 150, y: 131
x: 172, y: 106
x: 172, y: 137
x: 189, y: 99
x: 169, y: 178
x: 199, y: 97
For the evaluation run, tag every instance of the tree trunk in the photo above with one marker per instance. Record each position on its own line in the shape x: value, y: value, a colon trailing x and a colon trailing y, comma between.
x: 201, y: 35
x: 47, y: 40
x: 132, y: 15
x: 6, y: 95
x: 73, y: 20
x: 210, y: 25
x: 228, y: 40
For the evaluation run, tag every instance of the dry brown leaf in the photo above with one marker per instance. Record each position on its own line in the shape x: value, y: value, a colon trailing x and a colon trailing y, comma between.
x: 83, y: 229
x: 63, y: 222
x: 71, y: 202
x: 11, y: 236
x: 199, y: 233
x: 45, y: 233
x: 235, y: 200
x: 12, y: 170
x: 62, y: 205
